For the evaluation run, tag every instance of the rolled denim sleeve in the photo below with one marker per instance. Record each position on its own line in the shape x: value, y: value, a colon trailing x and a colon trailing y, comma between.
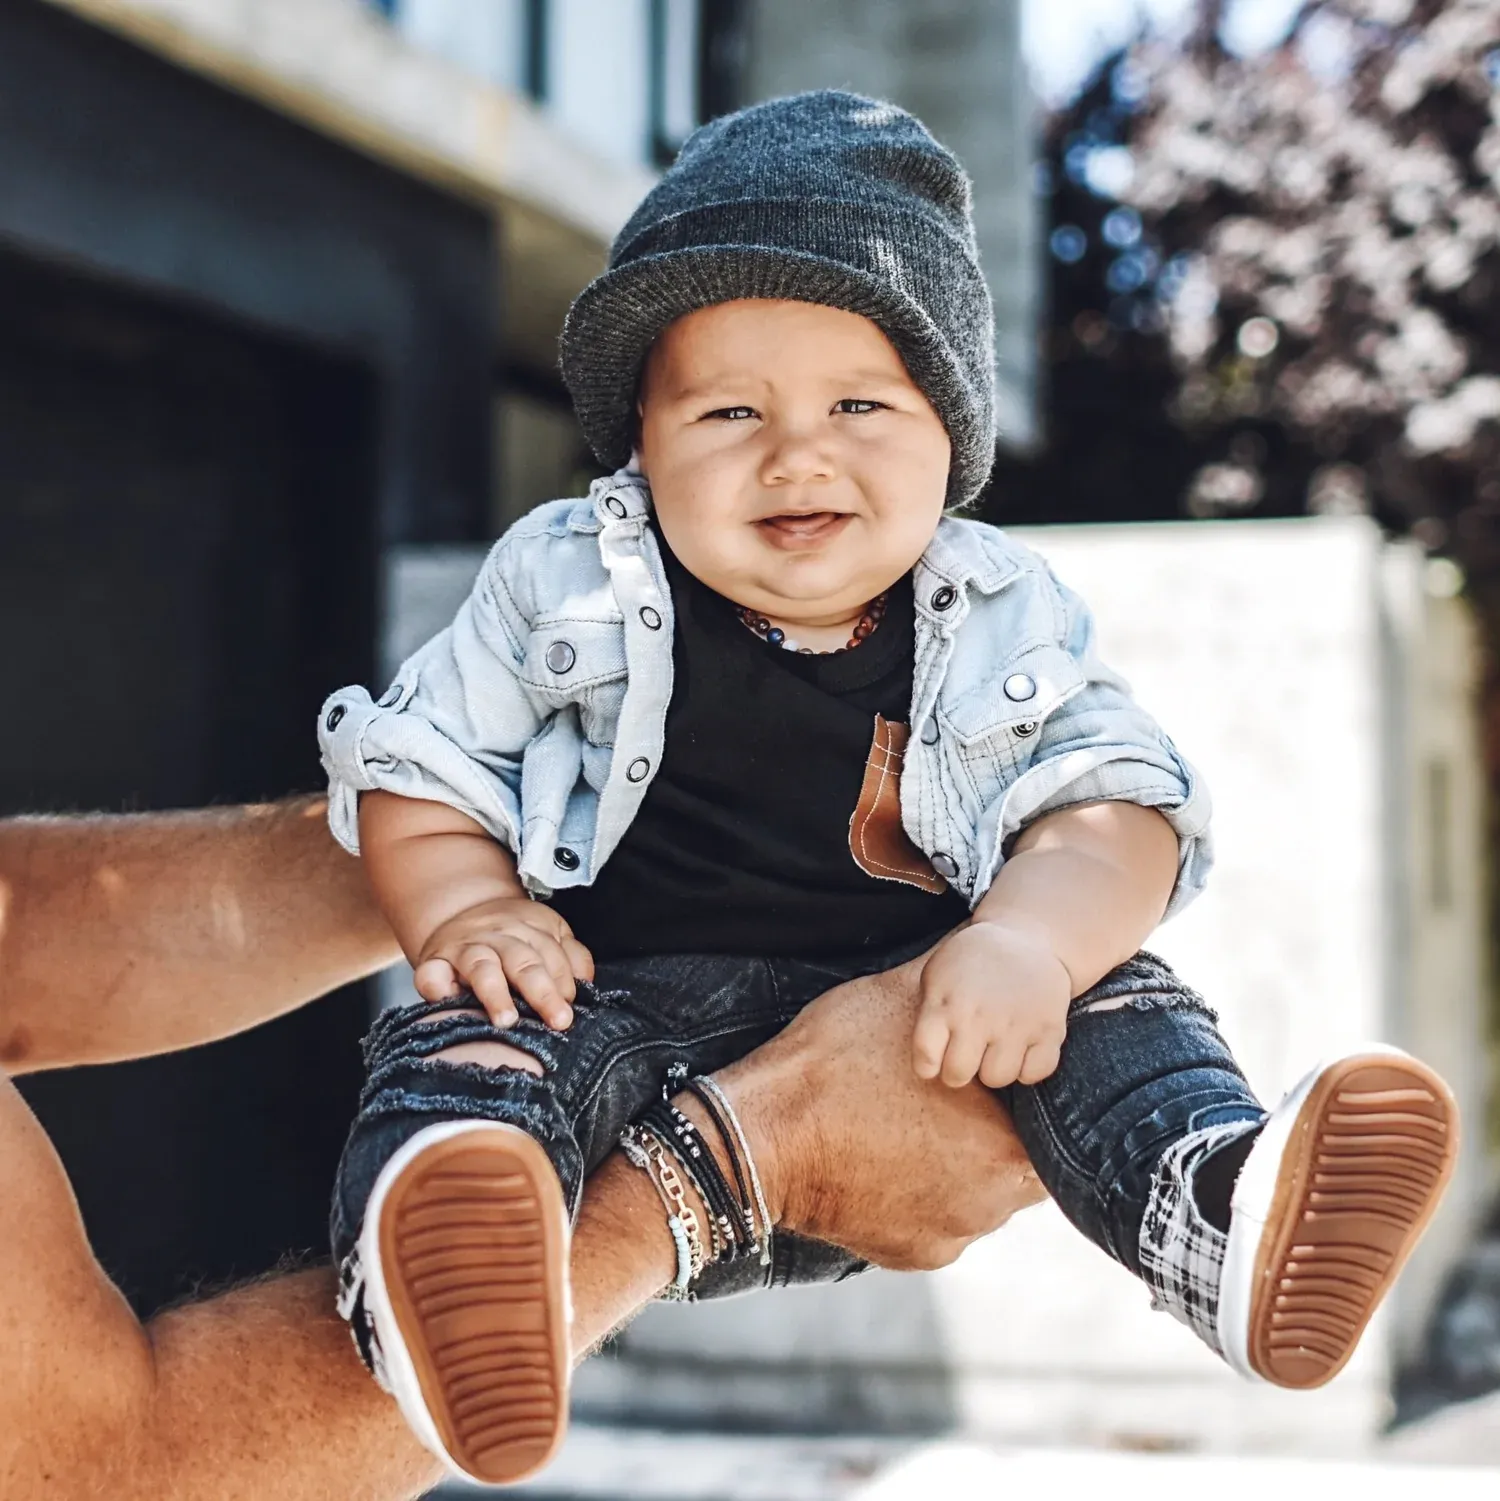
x: 1099, y: 745
x: 451, y: 728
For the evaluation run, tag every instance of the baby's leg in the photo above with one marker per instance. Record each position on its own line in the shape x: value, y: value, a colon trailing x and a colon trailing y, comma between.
x: 464, y: 1166
x: 1143, y: 1069
x: 450, y: 1228
x: 1274, y: 1237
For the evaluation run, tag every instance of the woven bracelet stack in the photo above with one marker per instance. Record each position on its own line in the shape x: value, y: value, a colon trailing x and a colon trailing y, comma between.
x: 668, y: 1147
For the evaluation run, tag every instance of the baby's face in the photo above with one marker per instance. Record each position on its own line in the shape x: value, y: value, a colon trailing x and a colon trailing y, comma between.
x: 795, y: 466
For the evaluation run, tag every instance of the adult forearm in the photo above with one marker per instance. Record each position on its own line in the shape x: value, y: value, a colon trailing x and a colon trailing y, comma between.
x: 256, y: 1393
x: 122, y: 936
x: 259, y: 1393
x: 902, y: 1172
x: 622, y: 1253
x: 1091, y: 882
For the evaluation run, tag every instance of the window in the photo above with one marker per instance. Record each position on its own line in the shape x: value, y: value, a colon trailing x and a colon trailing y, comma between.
x: 623, y: 76
x: 674, y: 75
x: 598, y: 74
x: 503, y: 41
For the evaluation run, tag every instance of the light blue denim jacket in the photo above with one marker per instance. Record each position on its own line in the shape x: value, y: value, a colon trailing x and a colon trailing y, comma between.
x: 540, y: 712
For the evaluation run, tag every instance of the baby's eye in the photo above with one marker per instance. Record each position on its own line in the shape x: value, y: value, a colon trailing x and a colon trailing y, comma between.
x: 732, y: 414
x: 854, y: 406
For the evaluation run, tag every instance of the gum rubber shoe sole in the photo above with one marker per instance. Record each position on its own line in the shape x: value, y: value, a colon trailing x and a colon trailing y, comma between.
x: 474, y: 1249
x: 1366, y: 1161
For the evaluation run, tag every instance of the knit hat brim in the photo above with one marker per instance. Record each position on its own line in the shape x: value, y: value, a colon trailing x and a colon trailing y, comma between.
x: 618, y: 317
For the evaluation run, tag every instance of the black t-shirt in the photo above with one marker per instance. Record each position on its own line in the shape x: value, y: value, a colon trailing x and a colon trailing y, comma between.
x: 776, y: 767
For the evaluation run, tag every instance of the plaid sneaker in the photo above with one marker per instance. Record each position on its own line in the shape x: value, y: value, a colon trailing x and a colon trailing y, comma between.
x: 456, y: 1294
x: 1342, y: 1180
x: 1182, y: 1255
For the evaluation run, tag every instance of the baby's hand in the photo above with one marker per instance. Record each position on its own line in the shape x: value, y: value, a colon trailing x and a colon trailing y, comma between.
x: 995, y: 1004
x: 511, y: 943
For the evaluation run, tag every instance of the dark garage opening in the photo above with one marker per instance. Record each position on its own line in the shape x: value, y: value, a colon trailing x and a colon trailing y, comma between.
x: 237, y: 360
x: 186, y: 565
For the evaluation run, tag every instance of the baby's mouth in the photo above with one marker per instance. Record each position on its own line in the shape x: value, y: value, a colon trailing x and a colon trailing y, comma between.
x: 802, y: 528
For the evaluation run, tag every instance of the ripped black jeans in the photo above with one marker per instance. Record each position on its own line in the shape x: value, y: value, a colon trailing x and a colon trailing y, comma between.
x: 1143, y: 1066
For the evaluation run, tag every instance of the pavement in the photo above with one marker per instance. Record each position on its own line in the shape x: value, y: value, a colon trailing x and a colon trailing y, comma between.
x: 1453, y: 1456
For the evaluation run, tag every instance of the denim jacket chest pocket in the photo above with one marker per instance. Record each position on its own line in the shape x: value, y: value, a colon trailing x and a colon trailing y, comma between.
x: 580, y: 662
x: 997, y: 726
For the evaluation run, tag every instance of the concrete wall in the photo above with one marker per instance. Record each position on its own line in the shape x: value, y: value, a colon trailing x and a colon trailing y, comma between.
x: 1322, y: 681
x: 957, y: 64
x: 1437, y: 878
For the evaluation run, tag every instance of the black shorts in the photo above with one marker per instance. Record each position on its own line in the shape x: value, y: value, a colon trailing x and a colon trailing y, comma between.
x: 640, y: 1024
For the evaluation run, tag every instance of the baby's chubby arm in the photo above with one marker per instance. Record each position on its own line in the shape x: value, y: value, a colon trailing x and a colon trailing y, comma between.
x: 451, y: 894
x: 1082, y: 889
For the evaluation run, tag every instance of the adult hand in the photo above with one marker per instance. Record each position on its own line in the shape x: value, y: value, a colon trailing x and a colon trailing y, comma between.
x: 858, y: 1151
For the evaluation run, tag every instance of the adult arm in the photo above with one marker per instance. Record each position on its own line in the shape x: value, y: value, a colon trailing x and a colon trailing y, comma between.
x: 123, y: 936
x: 853, y: 1149
x: 259, y: 1393
x: 256, y: 1393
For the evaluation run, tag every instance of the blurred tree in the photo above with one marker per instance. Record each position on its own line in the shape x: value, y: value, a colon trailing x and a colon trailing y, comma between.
x: 1273, y: 280
x: 1274, y: 283
x: 1335, y: 203
x: 1275, y: 288
x: 1110, y: 448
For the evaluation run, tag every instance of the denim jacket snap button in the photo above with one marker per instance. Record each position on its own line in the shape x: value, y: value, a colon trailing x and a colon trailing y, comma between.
x: 560, y: 657
x: 615, y: 506
x: 945, y: 865
x: 930, y: 732
x: 564, y: 858
x: 943, y: 598
x: 1026, y: 727
x: 1019, y: 687
x: 335, y: 717
x: 638, y: 769
x: 651, y: 618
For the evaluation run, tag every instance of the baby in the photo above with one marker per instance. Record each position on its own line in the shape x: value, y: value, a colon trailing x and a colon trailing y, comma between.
x: 756, y: 717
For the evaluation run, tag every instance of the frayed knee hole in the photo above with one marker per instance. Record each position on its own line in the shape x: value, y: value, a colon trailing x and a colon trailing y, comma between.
x: 445, y: 1009
x: 496, y: 1055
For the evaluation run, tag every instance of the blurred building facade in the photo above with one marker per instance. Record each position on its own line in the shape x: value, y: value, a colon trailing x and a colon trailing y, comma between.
x: 280, y: 282
x: 274, y: 284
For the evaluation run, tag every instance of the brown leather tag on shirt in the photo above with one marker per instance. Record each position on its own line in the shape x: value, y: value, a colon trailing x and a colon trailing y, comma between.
x: 878, y: 841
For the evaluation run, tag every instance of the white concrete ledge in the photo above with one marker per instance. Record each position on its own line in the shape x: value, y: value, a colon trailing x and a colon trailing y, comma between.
x: 616, y: 1464
x: 336, y: 67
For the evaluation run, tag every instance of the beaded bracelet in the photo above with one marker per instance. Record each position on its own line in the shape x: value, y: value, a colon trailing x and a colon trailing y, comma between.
x: 681, y: 1137
x: 672, y: 1185
x: 741, y: 1144
x: 636, y: 1154
x: 705, y: 1098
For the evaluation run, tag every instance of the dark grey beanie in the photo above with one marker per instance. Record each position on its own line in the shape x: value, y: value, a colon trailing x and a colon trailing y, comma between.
x: 823, y: 197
